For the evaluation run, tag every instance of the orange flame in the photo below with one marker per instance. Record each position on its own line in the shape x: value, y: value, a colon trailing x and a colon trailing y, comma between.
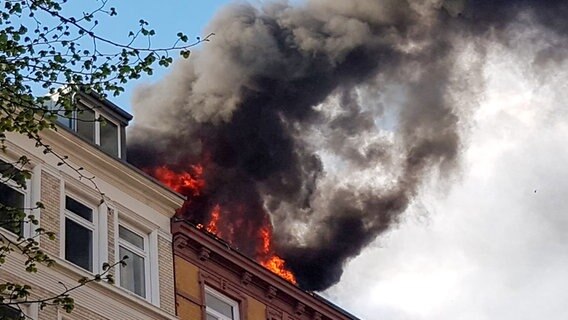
x: 212, y: 225
x: 182, y: 181
x: 191, y: 184
x: 271, y: 261
x: 277, y: 265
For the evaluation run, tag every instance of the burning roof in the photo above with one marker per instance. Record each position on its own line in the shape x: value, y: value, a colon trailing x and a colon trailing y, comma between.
x: 317, y: 123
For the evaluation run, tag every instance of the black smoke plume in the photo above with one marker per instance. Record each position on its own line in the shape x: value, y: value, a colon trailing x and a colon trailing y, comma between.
x: 324, y: 116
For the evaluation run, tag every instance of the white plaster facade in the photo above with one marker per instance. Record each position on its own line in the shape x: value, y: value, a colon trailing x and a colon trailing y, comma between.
x: 131, y: 198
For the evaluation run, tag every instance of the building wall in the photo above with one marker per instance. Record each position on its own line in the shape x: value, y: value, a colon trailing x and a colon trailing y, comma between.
x: 188, y: 290
x: 202, y: 261
x: 166, y: 272
x: 49, y: 184
x: 50, y: 215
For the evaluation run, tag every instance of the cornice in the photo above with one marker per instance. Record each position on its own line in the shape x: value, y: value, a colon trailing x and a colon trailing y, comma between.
x: 115, y: 172
x: 205, y: 250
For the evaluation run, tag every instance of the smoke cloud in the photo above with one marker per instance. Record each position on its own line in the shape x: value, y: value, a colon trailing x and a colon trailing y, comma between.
x: 325, y: 117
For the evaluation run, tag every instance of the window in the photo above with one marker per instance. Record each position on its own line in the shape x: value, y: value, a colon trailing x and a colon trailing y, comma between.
x: 12, y: 200
x: 85, y: 124
x: 134, y: 245
x: 79, y: 233
x: 109, y: 137
x: 10, y: 313
x: 84, y: 121
x: 220, y: 307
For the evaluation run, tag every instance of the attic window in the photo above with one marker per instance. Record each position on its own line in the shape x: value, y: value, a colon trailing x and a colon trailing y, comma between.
x: 95, y: 128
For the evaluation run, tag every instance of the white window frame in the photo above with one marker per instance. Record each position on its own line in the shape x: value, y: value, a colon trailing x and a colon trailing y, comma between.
x: 224, y: 298
x: 97, y: 133
x: 27, y: 227
x: 92, y: 226
x: 143, y: 253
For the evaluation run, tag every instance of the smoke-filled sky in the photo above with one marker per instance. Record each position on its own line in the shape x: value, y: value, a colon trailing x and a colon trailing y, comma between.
x: 411, y: 150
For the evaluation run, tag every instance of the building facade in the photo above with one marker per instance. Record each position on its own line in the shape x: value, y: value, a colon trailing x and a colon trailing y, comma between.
x: 216, y: 282
x: 101, y: 209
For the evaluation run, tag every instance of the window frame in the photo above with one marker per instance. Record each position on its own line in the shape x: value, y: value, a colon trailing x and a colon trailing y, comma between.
x: 72, y: 118
x: 145, y: 254
x: 92, y: 226
x: 27, y: 193
x: 224, y: 298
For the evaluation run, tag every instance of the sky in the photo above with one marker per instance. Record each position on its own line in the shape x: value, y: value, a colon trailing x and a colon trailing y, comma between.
x: 167, y: 18
x: 490, y: 243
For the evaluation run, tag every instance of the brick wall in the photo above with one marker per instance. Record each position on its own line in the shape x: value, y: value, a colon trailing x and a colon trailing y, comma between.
x: 166, y: 274
x: 111, y: 239
x: 50, y: 218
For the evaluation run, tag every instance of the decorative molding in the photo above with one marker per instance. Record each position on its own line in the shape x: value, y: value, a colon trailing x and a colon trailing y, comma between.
x: 317, y: 316
x: 223, y: 283
x: 273, y: 314
x: 271, y: 292
x: 116, y: 172
x: 300, y: 309
x: 246, y: 278
x: 181, y: 243
x: 204, y: 254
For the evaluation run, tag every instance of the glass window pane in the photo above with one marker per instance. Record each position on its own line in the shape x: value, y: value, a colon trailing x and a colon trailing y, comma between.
x: 78, y: 208
x: 78, y: 244
x: 64, y: 120
x: 86, y: 124
x: 131, y: 237
x: 132, y: 276
x: 7, y: 170
x: 12, y: 199
x: 218, y: 305
x: 9, y: 313
x: 109, y: 137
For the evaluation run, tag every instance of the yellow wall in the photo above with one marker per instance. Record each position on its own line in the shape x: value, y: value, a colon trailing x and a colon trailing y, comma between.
x: 187, y: 284
x: 188, y: 287
x: 256, y: 309
x: 187, y: 278
x: 187, y: 310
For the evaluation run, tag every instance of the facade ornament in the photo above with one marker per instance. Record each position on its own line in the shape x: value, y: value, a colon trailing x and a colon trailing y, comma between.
x: 317, y: 316
x: 273, y: 314
x: 300, y: 309
x: 182, y: 243
x: 271, y: 292
x: 223, y: 283
x: 246, y: 278
x: 204, y: 254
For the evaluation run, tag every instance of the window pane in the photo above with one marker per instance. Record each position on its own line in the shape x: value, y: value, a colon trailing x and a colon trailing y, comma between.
x: 131, y: 237
x: 86, y: 124
x: 78, y: 244
x: 13, y: 199
x: 109, y: 138
x: 78, y: 208
x: 132, y: 276
x: 218, y: 305
x: 64, y: 120
x: 7, y: 170
x: 9, y: 313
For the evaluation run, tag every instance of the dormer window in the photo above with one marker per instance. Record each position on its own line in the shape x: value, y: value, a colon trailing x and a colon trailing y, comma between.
x: 99, y: 122
x: 95, y: 128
